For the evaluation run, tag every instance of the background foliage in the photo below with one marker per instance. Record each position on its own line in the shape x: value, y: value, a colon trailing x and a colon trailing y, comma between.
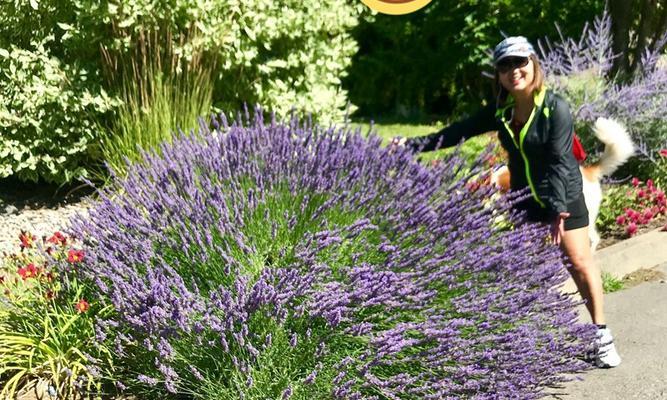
x: 429, y: 64
x: 284, y: 55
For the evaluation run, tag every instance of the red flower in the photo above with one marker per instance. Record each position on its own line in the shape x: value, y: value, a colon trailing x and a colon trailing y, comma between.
x: 473, y: 185
x: 631, y: 229
x: 57, y: 239
x: 620, y: 220
x: 74, y: 256
x: 82, y: 306
x: 663, y: 152
x: 29, y: 271
x: 49, y: 276
x: 635, y: 182
x: 26, y: 239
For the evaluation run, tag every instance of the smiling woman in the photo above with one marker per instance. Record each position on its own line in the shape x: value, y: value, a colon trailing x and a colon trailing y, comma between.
x: 396, y: 7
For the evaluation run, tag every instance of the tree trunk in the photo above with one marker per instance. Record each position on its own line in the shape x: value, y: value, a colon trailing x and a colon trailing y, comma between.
x: 646, y: 29
x: 621, y: 23
x: 661, y: 28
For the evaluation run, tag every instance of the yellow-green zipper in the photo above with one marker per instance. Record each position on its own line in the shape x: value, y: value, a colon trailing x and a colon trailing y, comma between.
x: 539, y: 99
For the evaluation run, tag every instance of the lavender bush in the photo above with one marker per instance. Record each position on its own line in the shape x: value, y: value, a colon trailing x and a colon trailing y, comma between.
x: 580, y: 70
x: 283, y: 260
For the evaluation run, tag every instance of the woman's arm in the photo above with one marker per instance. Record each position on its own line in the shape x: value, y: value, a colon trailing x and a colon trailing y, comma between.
x: 559, y: 151
x: 481, y: 122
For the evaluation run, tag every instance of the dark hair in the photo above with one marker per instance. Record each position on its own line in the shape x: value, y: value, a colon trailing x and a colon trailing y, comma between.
x: 538, y: 82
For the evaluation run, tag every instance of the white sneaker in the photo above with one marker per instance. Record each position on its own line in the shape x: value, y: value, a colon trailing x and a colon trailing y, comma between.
x: 607, y: 356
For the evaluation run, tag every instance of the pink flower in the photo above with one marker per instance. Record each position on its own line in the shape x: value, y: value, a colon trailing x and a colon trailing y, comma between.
x: 631, y: 229
x: 635, y: 182
x: 663, y: 152
x: 648, y: 213
x: 620, y: 220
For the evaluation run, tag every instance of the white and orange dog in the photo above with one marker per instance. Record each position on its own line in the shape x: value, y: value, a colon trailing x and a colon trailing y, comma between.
x: 618, y: 147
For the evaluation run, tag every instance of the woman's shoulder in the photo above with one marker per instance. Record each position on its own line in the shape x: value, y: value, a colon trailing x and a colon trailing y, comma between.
x: 554, y: 97
x: 557, y: 102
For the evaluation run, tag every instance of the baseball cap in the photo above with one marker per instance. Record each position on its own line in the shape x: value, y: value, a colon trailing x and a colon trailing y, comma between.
x: 513, y: 46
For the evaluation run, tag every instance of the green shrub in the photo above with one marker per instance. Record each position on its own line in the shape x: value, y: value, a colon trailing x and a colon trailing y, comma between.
x: 284, y: 55
x: 47, y: 115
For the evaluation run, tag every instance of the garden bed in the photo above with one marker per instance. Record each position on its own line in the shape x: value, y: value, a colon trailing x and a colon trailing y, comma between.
x: 614, y: 236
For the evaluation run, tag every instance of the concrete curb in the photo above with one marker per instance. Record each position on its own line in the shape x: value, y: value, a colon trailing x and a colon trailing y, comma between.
x: 644, y: 251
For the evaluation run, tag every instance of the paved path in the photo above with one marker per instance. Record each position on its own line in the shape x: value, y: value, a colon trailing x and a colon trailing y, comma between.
x: 638, y: 319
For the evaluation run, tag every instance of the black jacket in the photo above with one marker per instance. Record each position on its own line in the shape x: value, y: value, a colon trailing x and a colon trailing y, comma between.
x: 542, y: 161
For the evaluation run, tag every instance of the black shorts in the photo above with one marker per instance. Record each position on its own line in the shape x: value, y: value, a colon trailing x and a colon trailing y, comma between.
x: 578, y: 213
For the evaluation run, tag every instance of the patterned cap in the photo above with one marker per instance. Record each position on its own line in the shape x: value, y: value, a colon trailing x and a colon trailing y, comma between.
x: 513, y: 46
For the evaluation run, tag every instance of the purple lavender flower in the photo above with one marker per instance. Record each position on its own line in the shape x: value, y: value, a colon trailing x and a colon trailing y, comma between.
x: 580, y: 70
x: 284, y: 244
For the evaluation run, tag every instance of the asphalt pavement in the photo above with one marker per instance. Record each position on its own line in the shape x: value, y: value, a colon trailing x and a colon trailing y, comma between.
x: 637, y: 317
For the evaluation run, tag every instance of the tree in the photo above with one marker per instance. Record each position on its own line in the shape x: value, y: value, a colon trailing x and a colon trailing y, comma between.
x: 429, y: 64
x: 637, y: 26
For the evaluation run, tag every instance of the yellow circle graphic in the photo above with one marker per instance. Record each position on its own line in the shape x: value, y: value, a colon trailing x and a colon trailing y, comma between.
x: 396, y: 7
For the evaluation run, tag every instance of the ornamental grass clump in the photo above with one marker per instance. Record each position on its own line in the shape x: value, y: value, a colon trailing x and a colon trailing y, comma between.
x: 268, y: 259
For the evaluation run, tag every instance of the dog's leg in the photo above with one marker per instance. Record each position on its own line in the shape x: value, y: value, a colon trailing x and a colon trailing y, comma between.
x: 593, y: 198
x: 594, y: 236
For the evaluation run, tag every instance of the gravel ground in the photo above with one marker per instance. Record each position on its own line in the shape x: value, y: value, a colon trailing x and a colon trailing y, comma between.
x: 40, y: 209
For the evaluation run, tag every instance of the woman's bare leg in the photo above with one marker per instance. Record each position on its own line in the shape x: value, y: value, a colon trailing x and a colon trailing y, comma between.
x: 575, y: 244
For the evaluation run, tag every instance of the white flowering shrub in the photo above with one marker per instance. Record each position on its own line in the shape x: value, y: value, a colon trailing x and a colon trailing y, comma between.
x: 284, y: 55
x: 47, y: 116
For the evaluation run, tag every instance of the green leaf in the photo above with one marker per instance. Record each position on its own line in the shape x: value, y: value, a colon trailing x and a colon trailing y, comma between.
x: 65, y: 27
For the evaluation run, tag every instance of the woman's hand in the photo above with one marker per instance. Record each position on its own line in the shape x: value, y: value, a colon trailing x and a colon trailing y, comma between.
x: 558, y: 227
x: 397, y: 142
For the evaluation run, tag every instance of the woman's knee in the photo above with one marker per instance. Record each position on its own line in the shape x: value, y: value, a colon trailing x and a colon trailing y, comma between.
x: 581, y: 262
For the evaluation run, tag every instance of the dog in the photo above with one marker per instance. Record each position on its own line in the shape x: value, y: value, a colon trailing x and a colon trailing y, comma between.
x: 618, y: 148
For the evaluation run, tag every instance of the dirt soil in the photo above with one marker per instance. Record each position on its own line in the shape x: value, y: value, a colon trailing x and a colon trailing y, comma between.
x: 643, y: 275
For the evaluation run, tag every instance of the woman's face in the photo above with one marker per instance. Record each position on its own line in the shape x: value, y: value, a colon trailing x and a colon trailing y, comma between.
x: 516, y: 74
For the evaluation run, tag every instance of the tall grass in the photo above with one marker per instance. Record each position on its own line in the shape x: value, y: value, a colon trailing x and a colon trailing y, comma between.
x: 160, y: 90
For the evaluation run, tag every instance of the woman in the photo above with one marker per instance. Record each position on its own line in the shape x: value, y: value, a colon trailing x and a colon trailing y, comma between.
x: 535, y: 127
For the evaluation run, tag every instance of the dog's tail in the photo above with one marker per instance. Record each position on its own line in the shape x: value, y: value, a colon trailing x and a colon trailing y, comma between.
x: 618, y: 146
